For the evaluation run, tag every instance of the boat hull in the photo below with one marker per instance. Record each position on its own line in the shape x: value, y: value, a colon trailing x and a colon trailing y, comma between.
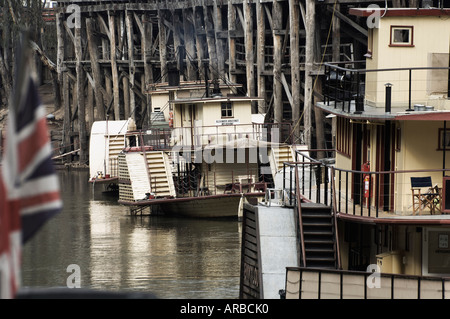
x: 212, y: 206
x: 204, y: 207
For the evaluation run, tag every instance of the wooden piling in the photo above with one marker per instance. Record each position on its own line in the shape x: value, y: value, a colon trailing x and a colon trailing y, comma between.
x: 128, y: 45
x: 249, y: 54
x: 96, y: 72
x: 277, y: 22
x: 81, y: 97
x: 260, y: 48
x: 113, y: 59
x: 294, y: 33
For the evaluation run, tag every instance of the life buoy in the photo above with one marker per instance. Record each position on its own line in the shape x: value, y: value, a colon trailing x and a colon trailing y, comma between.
x: 171, y: 119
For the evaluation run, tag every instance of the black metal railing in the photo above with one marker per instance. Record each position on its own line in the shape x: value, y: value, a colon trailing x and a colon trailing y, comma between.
x: 346, y: 87
x: 356, y: 192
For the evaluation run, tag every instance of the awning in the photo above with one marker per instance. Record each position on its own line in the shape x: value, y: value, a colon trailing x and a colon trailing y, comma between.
x: 424, y: 116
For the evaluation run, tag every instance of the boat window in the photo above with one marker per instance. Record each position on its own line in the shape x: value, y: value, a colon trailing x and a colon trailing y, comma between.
x: 401, y: 36
x: 343, y: 136
x: 226, y: 109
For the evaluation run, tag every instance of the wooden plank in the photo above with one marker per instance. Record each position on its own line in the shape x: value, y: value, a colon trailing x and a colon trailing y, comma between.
x: 287, y: 90
x: 104, y: 26
x: 114, y: 71
x: 96, y: 73
x: 277, y: 60
x: 138, y: 23
x: 250, y: 246
x: 162, y: 45
x: 80, y: 97
x: 349, y: 21
x: 249, y: 54
x: 148, y: 47
x: 60, y: 47
x: 220, y: 41
x: 260, y: 56
x: 309, y: 60
x: 189, y: 43
x: 210, y: 40
x: 132, y: 67
x: 199, y: 40
x: 250, y: 231
x: 231, y: 41
x: 69, y: 32
x: 294, y: 24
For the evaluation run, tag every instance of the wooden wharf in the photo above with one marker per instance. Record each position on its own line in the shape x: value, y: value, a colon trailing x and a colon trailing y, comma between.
x: 111, y: 53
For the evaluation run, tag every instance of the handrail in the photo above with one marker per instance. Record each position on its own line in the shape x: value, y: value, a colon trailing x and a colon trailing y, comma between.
x: 348, y: 195
x: 386, y: 69
x: 335, y: 228
x: 394, y: 172
x: 299, y: 211
x: 345, y: 92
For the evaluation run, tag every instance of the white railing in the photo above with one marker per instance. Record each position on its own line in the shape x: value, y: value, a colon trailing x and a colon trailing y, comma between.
x: 309, y: 283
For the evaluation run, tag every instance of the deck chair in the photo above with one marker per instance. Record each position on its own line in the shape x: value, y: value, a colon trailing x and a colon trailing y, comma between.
x: 424, y: 195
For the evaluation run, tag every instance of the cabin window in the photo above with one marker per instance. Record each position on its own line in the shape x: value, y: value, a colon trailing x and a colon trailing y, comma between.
x: 226, y: 109
x: 441, y: 139
x: 401, y: 36
x: 343, y: 136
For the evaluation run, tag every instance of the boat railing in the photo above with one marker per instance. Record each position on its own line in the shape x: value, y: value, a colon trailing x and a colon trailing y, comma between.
x: 349, y: 88
x: 365, y: 193
x: 199, y: 136
x: 192, y: 182
x: 314, y: 283
x: 156, y: 138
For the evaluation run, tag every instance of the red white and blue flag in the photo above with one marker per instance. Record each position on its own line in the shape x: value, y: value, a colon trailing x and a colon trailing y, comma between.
x: 29, y: 186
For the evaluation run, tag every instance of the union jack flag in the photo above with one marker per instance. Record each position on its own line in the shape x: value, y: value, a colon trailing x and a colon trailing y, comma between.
x: 29, y: 186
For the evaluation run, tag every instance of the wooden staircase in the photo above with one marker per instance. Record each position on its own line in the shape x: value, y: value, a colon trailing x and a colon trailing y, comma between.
x: 279, y: 155
x: 318, y: 236
x: 160, y: 174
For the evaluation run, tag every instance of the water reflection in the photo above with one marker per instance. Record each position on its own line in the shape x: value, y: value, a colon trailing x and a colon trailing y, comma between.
x: 170, y: 257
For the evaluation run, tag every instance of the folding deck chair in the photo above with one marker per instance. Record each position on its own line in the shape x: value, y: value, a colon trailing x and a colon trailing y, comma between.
x: 424, y: 195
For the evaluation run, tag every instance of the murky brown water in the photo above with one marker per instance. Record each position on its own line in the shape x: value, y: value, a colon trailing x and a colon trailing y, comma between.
x: 169, y: 257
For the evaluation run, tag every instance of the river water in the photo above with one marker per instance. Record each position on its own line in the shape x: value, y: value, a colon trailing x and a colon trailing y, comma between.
x: 169, y: 257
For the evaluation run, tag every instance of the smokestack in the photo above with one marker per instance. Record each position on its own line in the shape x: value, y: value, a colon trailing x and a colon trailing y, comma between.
x: 388, y: 97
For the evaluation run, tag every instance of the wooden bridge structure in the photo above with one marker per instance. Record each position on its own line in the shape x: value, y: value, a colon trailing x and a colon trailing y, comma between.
x: 110, y: 53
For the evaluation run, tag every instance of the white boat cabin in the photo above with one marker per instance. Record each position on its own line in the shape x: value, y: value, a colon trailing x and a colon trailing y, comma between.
x: 107, y: 140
